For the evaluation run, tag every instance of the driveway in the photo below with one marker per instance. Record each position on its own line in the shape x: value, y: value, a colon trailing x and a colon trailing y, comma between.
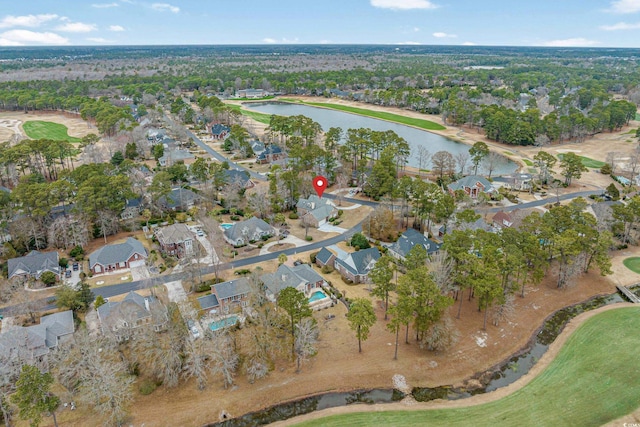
x: 328, y: 228
x: 92, y: 321
x: 298, y: 242
x: 140, y: 273
x: 175, y: 291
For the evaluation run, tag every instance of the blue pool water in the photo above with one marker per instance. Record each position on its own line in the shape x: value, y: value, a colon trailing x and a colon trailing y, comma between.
x: 219, y: 324
x: 317, y: 295
x: 226, y: 226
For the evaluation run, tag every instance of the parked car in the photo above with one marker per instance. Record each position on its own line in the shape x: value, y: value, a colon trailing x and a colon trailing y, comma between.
x: 67, y: 273
x: 76, y: 266
x: 200, y: 233
x: 192, y: 328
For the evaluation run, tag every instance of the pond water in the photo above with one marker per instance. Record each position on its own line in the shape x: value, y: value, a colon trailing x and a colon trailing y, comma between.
x: 504, y: 373
x: 415, y: 137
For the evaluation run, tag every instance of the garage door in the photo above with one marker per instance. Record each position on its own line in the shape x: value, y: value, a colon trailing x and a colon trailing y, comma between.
x: 138, y: 263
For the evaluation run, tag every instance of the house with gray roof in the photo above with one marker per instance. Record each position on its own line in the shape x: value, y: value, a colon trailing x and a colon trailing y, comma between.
x: 227, y: 296
x: 407, y: 240
x: 31, y: 343
x: 176, y: 240
x: 301, y: 277
x: 240, y: 177
x: 125, y: 318
x: 173, y: 156
x: 132, y: 208
x: 220, y: 131
x: 250, y: 230
x: 110, y: 258
x: 325, y: 257
x: 316, y: 210
x: 179, y: 199
x: 473, y: 185
x: 34, y: 264
x: 271, y: 154
x: 355, y: 266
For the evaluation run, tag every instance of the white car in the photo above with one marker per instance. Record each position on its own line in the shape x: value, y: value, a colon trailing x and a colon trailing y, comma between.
x: 195, y: 332
x: 200, y: 233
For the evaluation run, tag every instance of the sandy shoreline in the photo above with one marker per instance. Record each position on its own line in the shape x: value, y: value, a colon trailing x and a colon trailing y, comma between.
x: 479, y: 399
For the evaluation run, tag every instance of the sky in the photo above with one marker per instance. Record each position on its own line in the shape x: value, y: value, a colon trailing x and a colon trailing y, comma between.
x: 584, y: 23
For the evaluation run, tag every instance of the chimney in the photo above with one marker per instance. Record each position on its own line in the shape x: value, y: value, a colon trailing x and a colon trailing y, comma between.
x: 146, y: 304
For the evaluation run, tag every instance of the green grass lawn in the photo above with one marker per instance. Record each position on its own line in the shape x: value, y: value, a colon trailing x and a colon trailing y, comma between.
x: 594, y: 379
x: 37, y: 129
x: 527, y: 162
x: 637, y: 116
x: 632, y: 264
x: 590, y: 163
x: 259, y: 117
x: 419, y: 123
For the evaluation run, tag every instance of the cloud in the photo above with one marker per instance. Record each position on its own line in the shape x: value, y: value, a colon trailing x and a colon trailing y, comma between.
x: 269, y: 40
x: 116, y: 28
x: 284, y: 40
x: 99, y: 40
x: 26, y: 37
x: 441, y: 35
x: 409, y: 43
x: 164, y: 7
x: 76, y: 27
x: 625, y: 6
x: 571, y: 42
x: 26, y: 20
x: 403, y: 4
x: 104, y: 5
x: 621, y: 26
x: 469, y: 44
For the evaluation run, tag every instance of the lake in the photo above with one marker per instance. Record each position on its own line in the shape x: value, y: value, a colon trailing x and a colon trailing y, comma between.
x: 415, y: 137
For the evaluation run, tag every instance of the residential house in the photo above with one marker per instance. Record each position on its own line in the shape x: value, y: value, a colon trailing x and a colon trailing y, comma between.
x: 220, y: 132
x: 251, y: 93
x: 34, y: 264
x: 226, y: 297
x: 473, y: 185
x: 176, y: 240
x: 31, y: 343
x: 173, y: 156
x: 240, y: 177
x: 272, y: 153
x: 325, y: 257
x: 518, y: 181
x: 179, y: 199
x: 301, y: 277
x: 118, y: 256
x: 502, y: 220
x: 250, y: 230
x: 317, y: 211
x: 355, y: 266
x: 132, y: 208
x: 407, y: 240
x: 125, y: 318
x: 257, y: 147
x: 155, y: 135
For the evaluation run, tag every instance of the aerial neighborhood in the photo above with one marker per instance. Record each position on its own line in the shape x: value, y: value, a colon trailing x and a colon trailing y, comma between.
x: 163, y: 231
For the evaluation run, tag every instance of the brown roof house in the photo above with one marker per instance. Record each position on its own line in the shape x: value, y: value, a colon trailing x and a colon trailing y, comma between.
x: 176, y: 240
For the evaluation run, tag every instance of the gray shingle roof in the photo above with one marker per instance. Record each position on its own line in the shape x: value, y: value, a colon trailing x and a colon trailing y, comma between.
x: 34, y: 264
x: 409, y: 239
x: 324, y: 255
x: 470, y: 182
x: 232, y: 288
x: 34, y: 341
x: 359, y: 262
x: 208, y: 302
x: 121, y: 252
x: 174, y: 234
x: 179, y: 197
x: 252, y: 226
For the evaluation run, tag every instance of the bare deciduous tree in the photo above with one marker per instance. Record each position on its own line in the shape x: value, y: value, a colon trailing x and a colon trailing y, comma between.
x: 441, y: 336
x: 441, y: 270
x: 68, y: 231
x: 423, y: 155
x: 462, y: 159
x: 225, y: 358
x: 197, y: 363
x: 305, y: 340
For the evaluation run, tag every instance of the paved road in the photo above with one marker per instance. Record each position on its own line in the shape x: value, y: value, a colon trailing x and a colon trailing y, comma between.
x: 546, y: 201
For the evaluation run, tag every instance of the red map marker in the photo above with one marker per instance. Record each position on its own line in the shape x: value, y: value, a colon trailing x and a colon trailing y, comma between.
x: 320, y: 184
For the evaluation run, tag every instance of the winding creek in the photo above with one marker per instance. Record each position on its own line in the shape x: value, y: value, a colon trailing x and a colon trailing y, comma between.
x: 500, y: 375
x: 415, y: 137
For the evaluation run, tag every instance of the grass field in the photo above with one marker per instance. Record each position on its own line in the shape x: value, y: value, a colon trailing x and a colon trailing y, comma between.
x: 419, y: 123
x: 632, y: 264
x: 593, y: 380
x: 637, y: 116
x: 527, y: 162
x: 259, y: 117
x: 36, y: 129
x: 590, y: 163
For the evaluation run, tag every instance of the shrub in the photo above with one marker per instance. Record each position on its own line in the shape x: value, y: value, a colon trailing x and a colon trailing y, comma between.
x: 606, y: 169
x: 63, y: 262
x: 340, y: 212
x: 242, y: 272
x: 360, y: 241
x: 266, y: 237
x: 203, y: 287
x: 326, y: 269
x: 234, y: 218
x: 76, y: 252
x: 293, y: 215
x: 48, y: 278
x: 98, y: 302
x: 147, y: 387
x: 308, y: 238
x: 312, y: 257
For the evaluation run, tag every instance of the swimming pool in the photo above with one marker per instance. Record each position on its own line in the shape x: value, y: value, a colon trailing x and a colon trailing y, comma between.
x: 317, y: 296
x: 226, y: 226
x: 223, y: 323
